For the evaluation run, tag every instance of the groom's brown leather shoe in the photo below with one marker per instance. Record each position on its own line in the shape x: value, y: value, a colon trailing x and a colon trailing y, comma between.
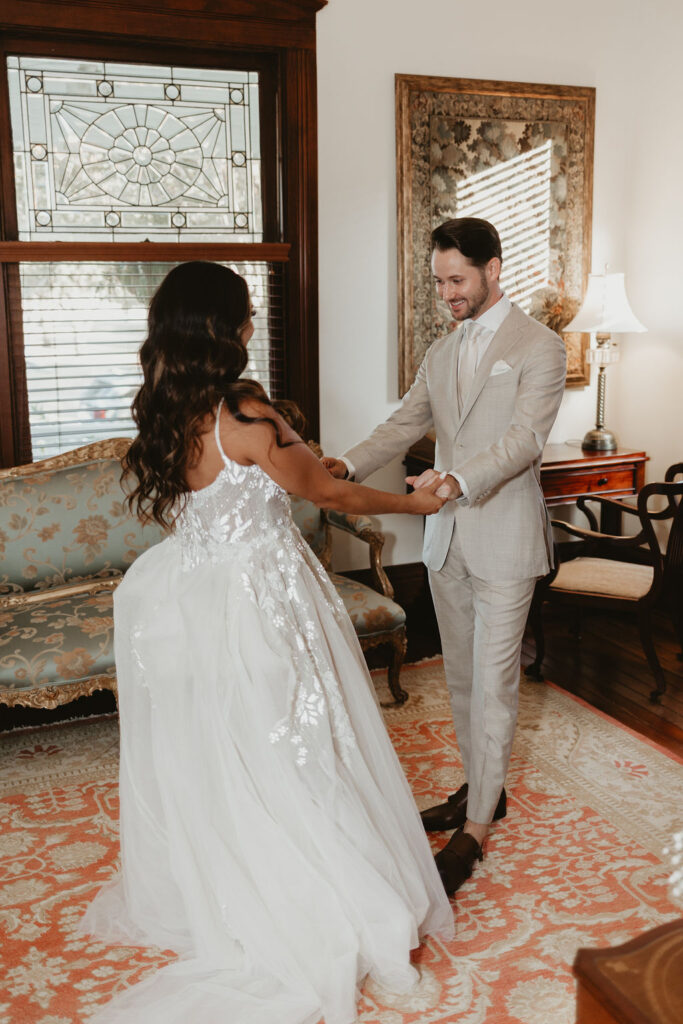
x: 453, y: 814
x: 455, y: 862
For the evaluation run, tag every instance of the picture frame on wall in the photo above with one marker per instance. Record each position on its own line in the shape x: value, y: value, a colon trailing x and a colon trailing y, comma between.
x: 519, y: 155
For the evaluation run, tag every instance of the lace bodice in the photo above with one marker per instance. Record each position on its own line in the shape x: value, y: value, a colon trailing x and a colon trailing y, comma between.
x: 243, y: 520
x: 242, y: 509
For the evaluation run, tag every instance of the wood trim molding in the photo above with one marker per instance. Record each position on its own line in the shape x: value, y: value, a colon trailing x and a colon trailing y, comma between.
x: 493, y: 88
x: 404, y: 220
x: 143, y: 252
x: 7, y: 447
x: 300, y: 146
x: 243, y: 23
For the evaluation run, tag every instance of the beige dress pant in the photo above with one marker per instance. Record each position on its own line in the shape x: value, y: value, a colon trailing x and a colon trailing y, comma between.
x: 481, y: 625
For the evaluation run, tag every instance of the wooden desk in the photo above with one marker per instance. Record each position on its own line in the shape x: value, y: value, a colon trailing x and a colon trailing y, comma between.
x: 640, y: 982
x: 567, y: 472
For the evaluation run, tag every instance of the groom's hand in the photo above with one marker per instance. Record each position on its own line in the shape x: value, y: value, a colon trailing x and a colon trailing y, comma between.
x: 449, y: 489
x: 336, y: 467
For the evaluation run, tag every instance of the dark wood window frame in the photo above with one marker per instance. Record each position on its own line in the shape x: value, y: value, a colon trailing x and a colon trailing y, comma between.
x: 273, y: 36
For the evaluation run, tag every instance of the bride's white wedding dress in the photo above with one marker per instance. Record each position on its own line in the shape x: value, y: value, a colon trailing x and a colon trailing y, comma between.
x: 268, y: 834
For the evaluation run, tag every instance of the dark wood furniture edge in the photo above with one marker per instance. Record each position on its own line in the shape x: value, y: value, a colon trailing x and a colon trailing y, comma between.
x: 602, y: 991
x: 584, y: 459
x: 423, y: 451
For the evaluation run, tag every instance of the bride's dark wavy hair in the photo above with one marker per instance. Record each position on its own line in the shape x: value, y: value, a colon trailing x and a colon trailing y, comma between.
x: 192, y: 357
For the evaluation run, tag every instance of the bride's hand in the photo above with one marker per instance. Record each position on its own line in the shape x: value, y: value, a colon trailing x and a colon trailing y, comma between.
x: 449, y: 487
x: 426, y: 500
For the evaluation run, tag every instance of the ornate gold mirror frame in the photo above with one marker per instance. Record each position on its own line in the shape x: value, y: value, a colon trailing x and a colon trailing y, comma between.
x: 518, y: 155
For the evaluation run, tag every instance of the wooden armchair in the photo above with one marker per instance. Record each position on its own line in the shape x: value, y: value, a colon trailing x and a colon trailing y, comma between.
x: 626, y: 573
x: 379, y: 622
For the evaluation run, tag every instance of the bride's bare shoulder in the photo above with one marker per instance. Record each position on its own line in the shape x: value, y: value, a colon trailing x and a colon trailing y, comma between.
x: 253, y: 431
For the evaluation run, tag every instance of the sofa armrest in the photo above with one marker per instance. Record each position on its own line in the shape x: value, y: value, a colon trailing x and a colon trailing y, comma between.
x: 94, y: 586
x: 361, y: 527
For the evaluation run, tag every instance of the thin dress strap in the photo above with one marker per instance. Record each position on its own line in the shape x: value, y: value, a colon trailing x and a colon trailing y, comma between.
x: 216, y: 434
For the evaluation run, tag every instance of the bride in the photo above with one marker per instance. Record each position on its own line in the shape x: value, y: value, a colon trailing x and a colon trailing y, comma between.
x: 268, y: 834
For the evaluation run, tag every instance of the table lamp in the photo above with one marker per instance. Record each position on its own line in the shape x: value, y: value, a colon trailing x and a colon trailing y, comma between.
x: 604, y: 311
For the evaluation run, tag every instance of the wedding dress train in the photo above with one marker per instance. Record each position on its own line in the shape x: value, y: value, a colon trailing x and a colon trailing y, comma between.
x: 268, y: 834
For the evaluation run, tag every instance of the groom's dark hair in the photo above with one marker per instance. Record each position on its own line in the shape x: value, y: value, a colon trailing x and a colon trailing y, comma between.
x: 474, y: 238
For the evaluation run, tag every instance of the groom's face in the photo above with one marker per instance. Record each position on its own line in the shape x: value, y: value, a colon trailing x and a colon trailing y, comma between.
x: 466, y: 289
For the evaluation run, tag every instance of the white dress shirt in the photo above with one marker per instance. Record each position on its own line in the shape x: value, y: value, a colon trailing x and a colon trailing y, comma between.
x: 487, y: 324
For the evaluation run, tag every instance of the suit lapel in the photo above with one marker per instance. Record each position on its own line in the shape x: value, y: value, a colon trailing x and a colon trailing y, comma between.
x: 503, y: 340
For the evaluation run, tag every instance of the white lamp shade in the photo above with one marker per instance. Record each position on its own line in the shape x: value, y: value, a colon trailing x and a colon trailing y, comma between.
x: 605, y: 308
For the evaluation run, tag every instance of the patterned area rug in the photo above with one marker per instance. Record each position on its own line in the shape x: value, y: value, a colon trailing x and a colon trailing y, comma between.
x: 579, y: 861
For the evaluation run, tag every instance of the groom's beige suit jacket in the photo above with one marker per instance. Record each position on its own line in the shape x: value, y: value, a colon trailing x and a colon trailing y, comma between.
x: 495, y: 443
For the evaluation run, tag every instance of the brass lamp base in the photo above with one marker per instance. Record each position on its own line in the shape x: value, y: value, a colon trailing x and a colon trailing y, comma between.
x: 599, y: 440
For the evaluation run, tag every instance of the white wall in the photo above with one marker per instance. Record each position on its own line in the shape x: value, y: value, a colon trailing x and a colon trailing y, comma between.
x: 629, y: 51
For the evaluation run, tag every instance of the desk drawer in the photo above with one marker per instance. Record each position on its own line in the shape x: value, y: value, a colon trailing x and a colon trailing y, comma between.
x: 570, y: 484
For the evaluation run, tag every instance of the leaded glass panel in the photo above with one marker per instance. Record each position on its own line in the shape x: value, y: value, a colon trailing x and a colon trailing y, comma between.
x: 125, y: 152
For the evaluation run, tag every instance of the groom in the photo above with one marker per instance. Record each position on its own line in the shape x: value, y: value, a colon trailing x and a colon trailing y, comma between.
x: 491, y: 390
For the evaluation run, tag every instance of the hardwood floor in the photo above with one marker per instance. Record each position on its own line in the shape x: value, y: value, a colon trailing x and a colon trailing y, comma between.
x: 607, y: 668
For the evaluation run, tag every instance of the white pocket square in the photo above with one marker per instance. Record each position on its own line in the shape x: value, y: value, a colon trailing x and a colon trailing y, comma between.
x: 500, y: 367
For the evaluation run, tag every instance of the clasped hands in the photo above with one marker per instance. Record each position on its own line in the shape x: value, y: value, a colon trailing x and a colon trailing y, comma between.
x: 449, y: 489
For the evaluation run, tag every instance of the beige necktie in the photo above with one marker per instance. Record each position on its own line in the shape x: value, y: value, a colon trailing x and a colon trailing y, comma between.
x: 467, y: 361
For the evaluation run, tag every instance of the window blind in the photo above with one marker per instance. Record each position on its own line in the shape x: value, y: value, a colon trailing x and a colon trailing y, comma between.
x: 83, y: 326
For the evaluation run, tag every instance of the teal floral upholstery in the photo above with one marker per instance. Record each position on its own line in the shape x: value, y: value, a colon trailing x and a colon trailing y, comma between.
x: 66, y: 525
x: 63, y: 640
x: 371, y: 613
x: 66, y: 538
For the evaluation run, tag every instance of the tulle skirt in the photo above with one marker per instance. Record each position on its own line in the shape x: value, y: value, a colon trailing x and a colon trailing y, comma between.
x: 268, y: 834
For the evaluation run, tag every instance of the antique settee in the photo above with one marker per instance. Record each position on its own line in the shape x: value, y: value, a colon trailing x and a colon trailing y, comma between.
x: 66, y: 538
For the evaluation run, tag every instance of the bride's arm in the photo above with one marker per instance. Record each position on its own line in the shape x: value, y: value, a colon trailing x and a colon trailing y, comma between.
x: 298, y: 471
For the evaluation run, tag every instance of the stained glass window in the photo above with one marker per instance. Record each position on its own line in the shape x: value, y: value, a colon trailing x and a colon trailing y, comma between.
x: 111, y: 152
x: 132, y: 152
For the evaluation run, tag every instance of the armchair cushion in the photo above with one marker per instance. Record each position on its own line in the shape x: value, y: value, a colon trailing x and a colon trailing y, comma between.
x: 55, y: 641
x: 604, y: 576
x: 371, y: 613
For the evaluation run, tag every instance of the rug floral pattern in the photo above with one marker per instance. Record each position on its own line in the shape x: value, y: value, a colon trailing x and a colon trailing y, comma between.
x: 578, y: 861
